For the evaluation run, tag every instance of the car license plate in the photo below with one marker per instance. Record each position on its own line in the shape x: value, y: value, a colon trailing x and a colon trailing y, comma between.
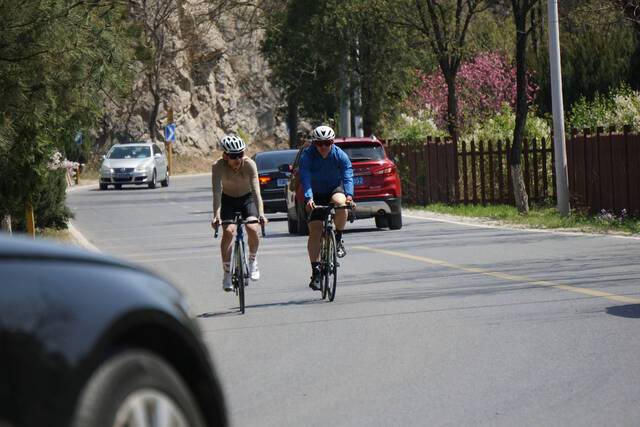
x: 122, y: 175
x: 358, y: 180
x: 281, y: 182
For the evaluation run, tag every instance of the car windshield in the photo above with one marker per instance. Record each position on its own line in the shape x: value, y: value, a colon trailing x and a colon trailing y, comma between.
x: 273, y: 159
x: 135, y: 152
x: 361, y: 153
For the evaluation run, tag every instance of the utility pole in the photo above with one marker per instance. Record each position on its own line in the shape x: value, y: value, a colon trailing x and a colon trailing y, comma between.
x: 357, y: 99
x: 562, y: 180
x: 345, y: 100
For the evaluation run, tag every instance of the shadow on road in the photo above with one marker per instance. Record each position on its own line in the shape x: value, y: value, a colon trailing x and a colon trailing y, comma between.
x: 228, y: 313
x: 631, y: 311
x: 235, y: 312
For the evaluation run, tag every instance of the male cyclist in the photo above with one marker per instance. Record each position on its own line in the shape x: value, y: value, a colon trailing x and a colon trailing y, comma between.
x: 326, y: 176
x: 234, y: 181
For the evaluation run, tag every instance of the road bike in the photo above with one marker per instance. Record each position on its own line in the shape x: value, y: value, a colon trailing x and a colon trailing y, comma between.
x: 239, y: 268
x: 329, y: 251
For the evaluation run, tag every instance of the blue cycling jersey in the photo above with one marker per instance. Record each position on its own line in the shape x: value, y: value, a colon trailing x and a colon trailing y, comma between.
x: 322, y: 176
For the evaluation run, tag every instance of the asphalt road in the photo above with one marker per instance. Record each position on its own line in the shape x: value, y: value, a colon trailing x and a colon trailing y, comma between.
x: 435, y: 324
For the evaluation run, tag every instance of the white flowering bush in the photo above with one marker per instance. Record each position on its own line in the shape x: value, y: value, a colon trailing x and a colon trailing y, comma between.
x: 500, y: 127
x: 415, y: 127
x: 620, y: 108
x: 57, y: 161
x: 626, y: 111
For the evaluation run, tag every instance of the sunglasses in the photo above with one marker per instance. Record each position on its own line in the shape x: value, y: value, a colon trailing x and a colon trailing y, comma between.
x: 323, y: 143
x: 235, y: 155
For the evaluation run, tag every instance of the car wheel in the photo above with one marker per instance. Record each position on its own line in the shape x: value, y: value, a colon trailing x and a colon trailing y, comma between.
x: 117, y: 186
x: 395, y: 221
x: 303, y: 227
x: 382, y: 221
x: 154, y: 177
x: 103, y: 186
x: 132, y: 386
x: 165, y: 183
x: 293, y: 225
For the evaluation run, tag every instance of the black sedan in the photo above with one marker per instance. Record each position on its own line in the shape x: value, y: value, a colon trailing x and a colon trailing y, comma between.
x: 86, y: 340
x: 273, y: 177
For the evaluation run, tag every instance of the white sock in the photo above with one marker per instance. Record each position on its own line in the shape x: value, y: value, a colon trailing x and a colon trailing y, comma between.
x: 252, y: 257
x: 226, y: 266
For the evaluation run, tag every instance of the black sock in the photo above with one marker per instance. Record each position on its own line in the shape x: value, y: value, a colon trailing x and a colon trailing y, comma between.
x: 339, y: 235
x: 315, y: 266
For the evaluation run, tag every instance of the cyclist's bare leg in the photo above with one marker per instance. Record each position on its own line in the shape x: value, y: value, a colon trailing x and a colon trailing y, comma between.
x: 340, y: 219
x: 253, y: 236
x: 314, y: 242
x: 228, y: 231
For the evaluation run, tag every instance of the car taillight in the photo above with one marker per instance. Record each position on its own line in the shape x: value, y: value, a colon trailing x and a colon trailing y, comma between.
x: 385, y: 171
x: 264, y: 180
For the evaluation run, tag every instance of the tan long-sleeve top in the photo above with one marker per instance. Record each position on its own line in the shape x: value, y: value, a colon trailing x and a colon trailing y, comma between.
x: 235, y: 183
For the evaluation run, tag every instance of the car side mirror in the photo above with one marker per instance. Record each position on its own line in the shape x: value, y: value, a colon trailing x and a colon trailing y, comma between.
x: 285, y: 168
x: 158, y: 155
x: 104, y: 157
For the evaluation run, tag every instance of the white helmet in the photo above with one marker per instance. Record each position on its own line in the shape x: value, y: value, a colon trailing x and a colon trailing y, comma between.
x: 232, y: 144
x: 323, y: 133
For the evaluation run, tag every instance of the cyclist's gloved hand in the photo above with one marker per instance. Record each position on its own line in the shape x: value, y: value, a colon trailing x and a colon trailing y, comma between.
x: 351, y: 202
x: 310, y: 205
x: 215, y: 222
x: 263, y: 220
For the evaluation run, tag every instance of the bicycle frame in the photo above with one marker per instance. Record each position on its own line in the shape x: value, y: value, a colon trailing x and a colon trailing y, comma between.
x: 239, y: 268
x: 328, y: 251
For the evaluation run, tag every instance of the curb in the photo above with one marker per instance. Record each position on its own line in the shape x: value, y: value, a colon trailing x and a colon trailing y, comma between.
x: 490, y: 223
x: 80, y: 239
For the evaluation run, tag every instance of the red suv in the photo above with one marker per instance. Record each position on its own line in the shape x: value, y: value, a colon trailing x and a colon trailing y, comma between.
x: 376, y: 181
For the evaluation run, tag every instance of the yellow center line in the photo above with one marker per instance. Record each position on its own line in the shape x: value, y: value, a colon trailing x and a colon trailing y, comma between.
x: 506, y: 276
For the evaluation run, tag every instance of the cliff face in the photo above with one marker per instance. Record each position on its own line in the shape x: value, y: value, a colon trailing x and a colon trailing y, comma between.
x: 214, y: 79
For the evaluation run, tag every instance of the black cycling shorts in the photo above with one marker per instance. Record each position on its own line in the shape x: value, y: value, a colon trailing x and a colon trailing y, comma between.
x: 323, y: 199
x: 244, y: 204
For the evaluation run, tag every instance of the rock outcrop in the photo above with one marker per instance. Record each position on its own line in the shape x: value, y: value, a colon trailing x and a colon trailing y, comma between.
x: 215, y: 81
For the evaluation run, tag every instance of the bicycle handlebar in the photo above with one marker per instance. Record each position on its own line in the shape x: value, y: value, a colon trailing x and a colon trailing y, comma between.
x: 253, y: 221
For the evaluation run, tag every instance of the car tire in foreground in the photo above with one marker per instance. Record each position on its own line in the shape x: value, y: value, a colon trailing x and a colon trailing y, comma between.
x: 165, y: 182
x: 134, y: 383
x: 103, y: 186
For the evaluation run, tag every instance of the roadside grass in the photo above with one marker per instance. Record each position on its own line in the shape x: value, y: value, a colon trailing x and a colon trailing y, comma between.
x: 63, y: 236
x: 541, y: 217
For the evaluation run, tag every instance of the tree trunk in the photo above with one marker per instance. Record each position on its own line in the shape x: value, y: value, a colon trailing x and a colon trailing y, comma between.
x: 6, y: 224
x: 452, y: 103
x: 519, y: 189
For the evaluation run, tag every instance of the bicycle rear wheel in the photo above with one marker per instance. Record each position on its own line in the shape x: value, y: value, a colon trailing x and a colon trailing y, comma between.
x: 239, y: 274
x: 331, y: 265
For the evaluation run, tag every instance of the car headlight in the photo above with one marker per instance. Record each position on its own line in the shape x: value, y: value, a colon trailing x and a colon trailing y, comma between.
x: 142, y: 167
x: 106, y: 169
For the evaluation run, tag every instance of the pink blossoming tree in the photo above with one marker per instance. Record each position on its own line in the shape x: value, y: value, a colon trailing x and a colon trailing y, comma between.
x: 483, y: 85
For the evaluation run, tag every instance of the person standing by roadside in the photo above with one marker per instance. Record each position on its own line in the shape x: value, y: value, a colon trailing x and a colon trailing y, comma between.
x: 234, y: 182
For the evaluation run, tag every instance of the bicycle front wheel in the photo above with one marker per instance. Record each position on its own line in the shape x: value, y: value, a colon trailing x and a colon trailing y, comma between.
x: 330, y: 265
x: 323, y: 266
x: 239, y: 275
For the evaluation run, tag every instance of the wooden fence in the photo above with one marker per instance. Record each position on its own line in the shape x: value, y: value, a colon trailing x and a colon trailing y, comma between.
x: 438, y: 170
x: 603, y: 169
